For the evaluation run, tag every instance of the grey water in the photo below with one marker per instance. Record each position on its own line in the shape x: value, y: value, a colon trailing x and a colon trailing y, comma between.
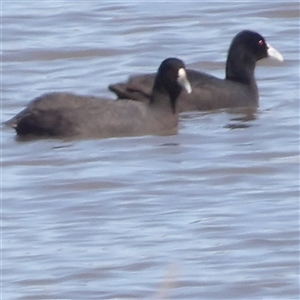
x: 209, y: 213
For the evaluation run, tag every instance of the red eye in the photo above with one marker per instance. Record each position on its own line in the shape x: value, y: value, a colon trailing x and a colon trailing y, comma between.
x: 260, y: 42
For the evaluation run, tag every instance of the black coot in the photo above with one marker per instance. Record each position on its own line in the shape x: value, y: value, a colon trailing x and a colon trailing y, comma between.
x: 66, y: 115
x: 238, y: 89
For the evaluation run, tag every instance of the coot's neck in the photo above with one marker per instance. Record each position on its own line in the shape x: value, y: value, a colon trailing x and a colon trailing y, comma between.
x: 240, y: 67
x: 164, y: 95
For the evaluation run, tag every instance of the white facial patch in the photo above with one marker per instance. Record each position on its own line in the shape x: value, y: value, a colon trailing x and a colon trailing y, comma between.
x: 272, y: 52
x: 183, y: 81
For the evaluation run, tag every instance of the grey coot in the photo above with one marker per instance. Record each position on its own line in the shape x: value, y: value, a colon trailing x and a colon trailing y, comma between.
x: 237, y: 90
x: 67, y: 115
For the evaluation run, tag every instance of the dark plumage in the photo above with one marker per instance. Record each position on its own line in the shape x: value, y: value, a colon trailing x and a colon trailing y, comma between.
x: 238, y: 89
x: 66, y: 115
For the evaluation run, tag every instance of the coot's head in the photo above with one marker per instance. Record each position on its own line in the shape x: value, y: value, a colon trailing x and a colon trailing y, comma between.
x: 252, y: 43
x: 171, y: 75
x: 246, y: 49
x: 170, y: 79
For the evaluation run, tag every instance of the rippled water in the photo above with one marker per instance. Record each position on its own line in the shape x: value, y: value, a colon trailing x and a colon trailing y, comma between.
x: 210, y: 213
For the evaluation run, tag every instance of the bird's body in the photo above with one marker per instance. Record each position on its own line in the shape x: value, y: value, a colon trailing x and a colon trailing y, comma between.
x: 209, y: 92
x: 67, y: 115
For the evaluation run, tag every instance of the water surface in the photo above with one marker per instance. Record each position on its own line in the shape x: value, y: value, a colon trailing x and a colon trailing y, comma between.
x: 210, y: 213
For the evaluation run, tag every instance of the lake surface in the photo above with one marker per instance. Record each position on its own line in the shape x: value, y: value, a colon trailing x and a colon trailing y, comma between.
x: 209, y: 213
